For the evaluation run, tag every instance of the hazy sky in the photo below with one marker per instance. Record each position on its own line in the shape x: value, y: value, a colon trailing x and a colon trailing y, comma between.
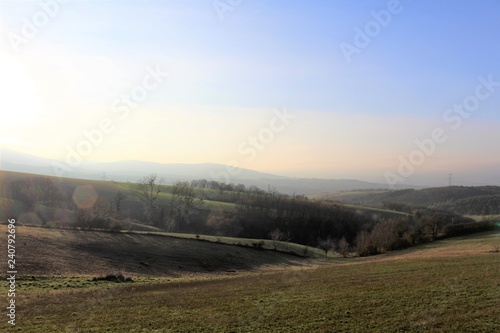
x: 337, y: 89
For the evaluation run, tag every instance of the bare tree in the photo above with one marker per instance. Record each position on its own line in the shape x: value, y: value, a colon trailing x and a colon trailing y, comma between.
x: 222, y: 224
x: 240, y: 188
x: 200, y: 183
x: 221, y: 187
x: 35, y: 190
x: 432, y: 225
x: 364, y: 244
x: 148, y: 190
x: 343, y: 247
x: 184, y: 194
x: 279, y: 236
x: 23, y: 190
x: 326, y: 245
x: 119, y: 197
x: 182, y: 205
x: 385, y: 236
x: 98, y: 216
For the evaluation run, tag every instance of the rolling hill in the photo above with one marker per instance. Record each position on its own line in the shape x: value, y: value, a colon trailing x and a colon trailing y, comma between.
x: 472, y: 200
x: 446, y: 286
x: 132, y: 171
x: 96, y: 253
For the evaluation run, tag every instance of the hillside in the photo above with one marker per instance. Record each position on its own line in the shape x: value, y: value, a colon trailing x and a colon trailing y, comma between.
x: 95, y: 253
x: 231, y: 210
x: 473, y: 200
x: 25, y: 206
x: 446, y: 286
x: 199, y: 207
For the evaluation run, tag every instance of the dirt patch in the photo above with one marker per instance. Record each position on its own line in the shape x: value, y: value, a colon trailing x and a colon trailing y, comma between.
x: 43, y: 251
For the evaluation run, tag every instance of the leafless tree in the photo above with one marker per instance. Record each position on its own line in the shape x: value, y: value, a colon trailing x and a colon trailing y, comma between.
x: 326, y: 245
x: 148, y: 190
x: 432, y: 225
x: 35, y: 190
x: 279, y: 236
x: 119, y: 197
x: 364, y: 244
x: 385, y: 236
x: 98, y: 216
x: 343, y: 247
x: 182, y: 205
x: 222, y: 224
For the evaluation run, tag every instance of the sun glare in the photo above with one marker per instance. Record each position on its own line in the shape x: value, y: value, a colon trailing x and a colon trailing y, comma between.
x: 19, y: 102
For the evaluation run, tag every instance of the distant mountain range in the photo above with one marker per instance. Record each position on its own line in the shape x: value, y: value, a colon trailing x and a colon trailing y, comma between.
x: 132, y: 171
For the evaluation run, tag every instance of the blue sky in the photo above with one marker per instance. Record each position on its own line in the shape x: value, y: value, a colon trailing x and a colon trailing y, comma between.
x: 227, y: 76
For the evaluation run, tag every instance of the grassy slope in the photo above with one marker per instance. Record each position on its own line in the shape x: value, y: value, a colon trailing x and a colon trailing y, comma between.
x: 446, y: 286
x: 354, y: 200
x: 109, y: 189
x: 386, y: 213
x: 459, y: 199
x: 481, y: 201
x: 484, y: 217
x: 345, y: 196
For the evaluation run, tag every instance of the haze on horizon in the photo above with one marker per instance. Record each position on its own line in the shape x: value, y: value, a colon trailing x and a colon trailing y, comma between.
x: 324, y: 89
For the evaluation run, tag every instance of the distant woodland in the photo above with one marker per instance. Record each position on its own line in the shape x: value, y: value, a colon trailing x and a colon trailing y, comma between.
x: 404, y: 218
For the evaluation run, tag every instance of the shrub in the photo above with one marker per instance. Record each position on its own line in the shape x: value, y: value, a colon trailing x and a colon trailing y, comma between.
x: 452, y: 230
x: 343, y: 247
x: 326, y: 245
x: 116, y: 228
x: 365, y: 244
x: 113, y: 278
x: 258, y: 245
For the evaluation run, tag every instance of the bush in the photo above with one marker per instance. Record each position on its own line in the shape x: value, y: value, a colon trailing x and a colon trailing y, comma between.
x: 343, y: 247
x: 116, y: 228
x: 113, y: 278
x: 365, y: 245
x: 453, y: 230
x: 53, y: 224
x: 258, y: 245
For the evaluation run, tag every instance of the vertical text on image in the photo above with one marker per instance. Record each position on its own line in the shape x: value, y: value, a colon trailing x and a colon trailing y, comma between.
x: 11, y: 271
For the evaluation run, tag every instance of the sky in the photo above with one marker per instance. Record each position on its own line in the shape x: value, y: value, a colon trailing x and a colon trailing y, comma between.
x: 387, y: 91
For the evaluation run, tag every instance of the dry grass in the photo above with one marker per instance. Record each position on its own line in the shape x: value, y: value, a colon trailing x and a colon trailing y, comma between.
x: 42, y: 251
x: 447, y: 286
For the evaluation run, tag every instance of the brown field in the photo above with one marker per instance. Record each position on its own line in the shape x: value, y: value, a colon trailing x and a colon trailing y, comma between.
x: 67, y: 252
x: 195, y: 286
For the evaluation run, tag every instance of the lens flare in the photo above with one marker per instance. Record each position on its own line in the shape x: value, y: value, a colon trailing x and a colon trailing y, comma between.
x: 85, y: 196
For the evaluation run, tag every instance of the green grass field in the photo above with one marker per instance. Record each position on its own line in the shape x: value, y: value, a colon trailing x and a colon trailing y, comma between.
x: 480, y: 218
x: 380, y: 211
x: 345, y: 196
x: 447, y: 286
